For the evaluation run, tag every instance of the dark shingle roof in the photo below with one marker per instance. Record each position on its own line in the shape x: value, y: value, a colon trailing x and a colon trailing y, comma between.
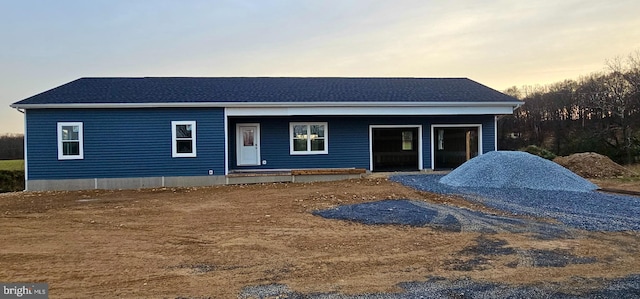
x: 265, y: 90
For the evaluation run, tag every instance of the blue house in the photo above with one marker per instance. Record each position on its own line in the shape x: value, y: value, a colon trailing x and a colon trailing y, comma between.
x: 110, y: 133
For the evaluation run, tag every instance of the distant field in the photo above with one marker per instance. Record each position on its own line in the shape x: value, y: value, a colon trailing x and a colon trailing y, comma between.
x: 11, y: 164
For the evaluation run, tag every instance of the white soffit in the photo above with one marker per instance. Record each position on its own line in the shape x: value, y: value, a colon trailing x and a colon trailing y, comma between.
x: 290, y: 111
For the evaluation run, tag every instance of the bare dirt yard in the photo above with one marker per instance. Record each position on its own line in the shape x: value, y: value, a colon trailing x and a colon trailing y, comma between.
x: 214, y: 242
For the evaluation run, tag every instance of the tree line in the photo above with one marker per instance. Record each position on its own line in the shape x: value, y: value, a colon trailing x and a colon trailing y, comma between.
x: 11, y: 146
x: 599, y: 113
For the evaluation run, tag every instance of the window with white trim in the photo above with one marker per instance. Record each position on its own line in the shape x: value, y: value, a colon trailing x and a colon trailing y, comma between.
x: 308, y: 138
x: 183, y: 139
x: 70, y: 144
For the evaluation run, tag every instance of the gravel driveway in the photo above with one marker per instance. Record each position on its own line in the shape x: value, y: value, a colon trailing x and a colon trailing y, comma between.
x: 420, y: 213
x: 436, y: 287
x: 593, y: 210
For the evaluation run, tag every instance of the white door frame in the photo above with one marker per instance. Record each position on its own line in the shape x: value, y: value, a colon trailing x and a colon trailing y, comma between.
x: 433, y: 134
x: 239, y: 139
x: 371, y: 127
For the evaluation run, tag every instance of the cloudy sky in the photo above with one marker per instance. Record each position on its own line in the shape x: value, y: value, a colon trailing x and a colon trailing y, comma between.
x: 44, y: 43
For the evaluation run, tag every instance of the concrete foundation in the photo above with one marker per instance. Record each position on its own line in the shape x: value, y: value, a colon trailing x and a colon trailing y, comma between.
x: 324, y: 177
x: 194, y: 181
x: 55, y: 185
x: 190, y: 181
x: 128, y: 183
x: 252, y: 179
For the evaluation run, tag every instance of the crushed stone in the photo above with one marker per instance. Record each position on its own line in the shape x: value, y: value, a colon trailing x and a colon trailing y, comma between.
x: 447, y: 218
x: 511, y: 169
x: 440, y: 287
x: 593, y: 211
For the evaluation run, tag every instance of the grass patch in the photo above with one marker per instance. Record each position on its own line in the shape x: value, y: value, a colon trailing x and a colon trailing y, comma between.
x: 11, y: 180
x: 11, y: 175
x: 631, y: 178
x: 12, y: 165
x: 634, y: 167
x: 628, y: 178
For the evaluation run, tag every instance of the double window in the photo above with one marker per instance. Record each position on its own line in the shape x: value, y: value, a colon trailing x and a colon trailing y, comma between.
x: 308, y: 138
x: 183, y: 139
x: 70, y: 144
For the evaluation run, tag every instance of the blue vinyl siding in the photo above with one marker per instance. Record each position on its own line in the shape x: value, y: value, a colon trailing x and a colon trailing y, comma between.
x: 488, y: 135
x: 120, y: 143
x: 347, y: 148
x: 348, y: 139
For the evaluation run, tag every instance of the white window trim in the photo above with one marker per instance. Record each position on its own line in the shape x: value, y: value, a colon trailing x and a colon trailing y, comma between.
x: 309, y: 151
x: 174, y: 140
x: 61, y: 155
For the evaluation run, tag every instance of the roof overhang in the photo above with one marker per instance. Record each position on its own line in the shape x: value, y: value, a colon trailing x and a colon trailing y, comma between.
x: 309, y: 108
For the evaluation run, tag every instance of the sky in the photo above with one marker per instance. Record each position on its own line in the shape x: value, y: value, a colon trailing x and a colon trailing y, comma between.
x: 44, y: 44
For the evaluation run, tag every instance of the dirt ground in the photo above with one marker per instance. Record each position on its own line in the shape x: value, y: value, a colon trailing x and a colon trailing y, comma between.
x: 594, y: 166
x: 602, y: 171
x: 212, y: 242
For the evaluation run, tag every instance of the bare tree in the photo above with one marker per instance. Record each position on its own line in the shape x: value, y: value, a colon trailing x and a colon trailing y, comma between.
x: 599, y: 112
x: 622, y: 100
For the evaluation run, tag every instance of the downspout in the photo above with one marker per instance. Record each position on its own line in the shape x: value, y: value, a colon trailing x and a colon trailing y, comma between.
x: 495, y: 132
x: 26, y: 168
x: 226, y: 144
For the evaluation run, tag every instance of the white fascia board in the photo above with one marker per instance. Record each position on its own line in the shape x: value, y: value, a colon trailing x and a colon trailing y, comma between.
x: 291, y: 111
x: 412, y: 105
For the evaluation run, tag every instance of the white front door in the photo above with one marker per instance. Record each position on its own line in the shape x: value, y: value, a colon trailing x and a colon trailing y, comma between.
x: 248, y: 144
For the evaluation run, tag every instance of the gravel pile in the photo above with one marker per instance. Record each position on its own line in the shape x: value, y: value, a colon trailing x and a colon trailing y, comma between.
x: 592, y: 211
x: 525, y: 184
x: 506, y: 169
x: 593, y: 165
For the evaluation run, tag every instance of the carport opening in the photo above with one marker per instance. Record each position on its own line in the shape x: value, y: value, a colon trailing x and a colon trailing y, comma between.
x: 395, y: 149
x: 454, y: 146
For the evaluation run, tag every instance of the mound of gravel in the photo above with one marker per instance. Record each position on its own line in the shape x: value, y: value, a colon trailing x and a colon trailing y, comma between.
x: 507, y: 169
x: 593, y: 165
x: 593, y: 211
